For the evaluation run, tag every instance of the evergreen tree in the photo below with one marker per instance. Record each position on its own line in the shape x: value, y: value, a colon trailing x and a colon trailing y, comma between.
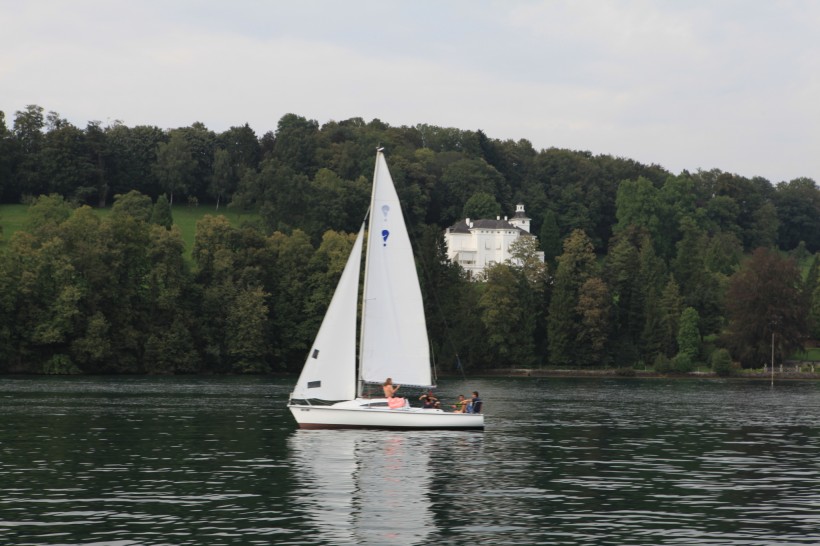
x: 671, y: 306
x: 624, y: 279
x: 688, y: 334
x: 161, y: 214
x: 593, y: 309
x: 550, y: 239
x: 575, y: 266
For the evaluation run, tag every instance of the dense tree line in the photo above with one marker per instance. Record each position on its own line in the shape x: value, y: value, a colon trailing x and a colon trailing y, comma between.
x: 643, y: 266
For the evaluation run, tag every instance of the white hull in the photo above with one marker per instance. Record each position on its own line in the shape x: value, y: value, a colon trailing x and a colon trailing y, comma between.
x: 373, y: 413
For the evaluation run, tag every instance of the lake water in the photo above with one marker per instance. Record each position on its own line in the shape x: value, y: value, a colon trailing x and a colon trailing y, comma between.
x: 212, y: 461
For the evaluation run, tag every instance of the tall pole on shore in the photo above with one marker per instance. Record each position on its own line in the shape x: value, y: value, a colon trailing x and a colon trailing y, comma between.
x: 772, y: 358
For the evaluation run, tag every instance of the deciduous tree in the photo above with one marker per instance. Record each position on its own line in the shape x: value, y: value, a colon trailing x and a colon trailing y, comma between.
x: 765, y: 298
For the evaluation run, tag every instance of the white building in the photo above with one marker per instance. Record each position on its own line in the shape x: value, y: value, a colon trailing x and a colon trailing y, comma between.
x: 476, y: 244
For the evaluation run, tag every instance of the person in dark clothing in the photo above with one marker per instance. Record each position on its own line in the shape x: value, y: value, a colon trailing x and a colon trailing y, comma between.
x: 475, y: 404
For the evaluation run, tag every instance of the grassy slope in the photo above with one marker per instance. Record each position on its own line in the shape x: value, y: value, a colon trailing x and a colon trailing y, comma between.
x: 12, y: 218
x: 186, y: 218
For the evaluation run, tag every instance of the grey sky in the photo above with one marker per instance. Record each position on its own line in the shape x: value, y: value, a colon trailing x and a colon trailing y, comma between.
x: 728, y: 84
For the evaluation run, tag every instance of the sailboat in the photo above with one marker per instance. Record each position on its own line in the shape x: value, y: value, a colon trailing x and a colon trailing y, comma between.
x: 330, y: 392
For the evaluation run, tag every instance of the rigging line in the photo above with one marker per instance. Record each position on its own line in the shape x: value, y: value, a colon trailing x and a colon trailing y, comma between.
x: 434, y: 293
x: 461, y: 368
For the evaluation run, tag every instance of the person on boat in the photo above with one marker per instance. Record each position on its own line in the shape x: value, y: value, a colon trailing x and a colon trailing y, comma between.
x: 474, y: 404
x: 390, y: 389
x: 429, y: 401
x: 461, y: 405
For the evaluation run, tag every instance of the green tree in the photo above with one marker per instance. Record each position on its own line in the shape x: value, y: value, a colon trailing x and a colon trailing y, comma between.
x: 223, y: 177
x: 246, y: 336
x: 116, y: 257
x: 594, y: 310
x: 170, y: 326
x: 284, y: 196
x: 637, y: 204
x: 65, y: 161
x: 132, y: 157
x: 723, y: 254
x: 550, y: 238
x: 722, y: 363
x: 201, y: 143
x: 689, y: 334
x: 461, y: 180
x: 764, y: 228
x: 29, y: 136
x: 171, y: 350
x: 700, y: 287
x: 8, y: 156
x: 249, y: 192
x: 161, y: 214
x: 652, y: 278
x: 45, y: 215
x: 450, y: 301
x: 506, y: 318
x: 671, y: 307
x: 100, y: 162
x: 175, y: 166
x: 242, y: 146
x: 721, y: 215
x: 481, y: 205
x: 333, y: 203
x: 798, y: 212
x: 525, y: 258
x: 293, y: 332
x: 814, y: 313
x: 295, y: 144
x: 134, y: 204
x: 623, y: 269
x: 575, y: 266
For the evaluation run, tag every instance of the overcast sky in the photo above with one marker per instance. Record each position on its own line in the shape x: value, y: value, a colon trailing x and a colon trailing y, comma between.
x: 694, y: 84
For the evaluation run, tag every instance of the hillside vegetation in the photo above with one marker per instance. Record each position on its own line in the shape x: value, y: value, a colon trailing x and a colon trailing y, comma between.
x: 108, y: 263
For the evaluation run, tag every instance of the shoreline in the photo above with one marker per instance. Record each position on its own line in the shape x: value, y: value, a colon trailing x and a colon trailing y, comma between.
x: 785, y: 374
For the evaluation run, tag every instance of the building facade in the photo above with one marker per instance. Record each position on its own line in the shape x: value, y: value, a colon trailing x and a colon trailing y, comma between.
x: 477, y: 244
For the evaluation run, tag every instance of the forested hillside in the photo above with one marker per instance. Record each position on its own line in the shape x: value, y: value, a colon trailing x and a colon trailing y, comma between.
x: 644, y: 267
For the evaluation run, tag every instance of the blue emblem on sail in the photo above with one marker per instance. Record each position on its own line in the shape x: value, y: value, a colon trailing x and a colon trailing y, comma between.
x: 385, y: 235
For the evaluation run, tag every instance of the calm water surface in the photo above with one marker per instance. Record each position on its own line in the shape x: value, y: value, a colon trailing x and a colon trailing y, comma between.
x: 212, y: 461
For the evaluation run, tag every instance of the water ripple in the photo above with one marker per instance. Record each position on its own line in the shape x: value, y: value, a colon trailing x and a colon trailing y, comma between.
x: 159, y: 461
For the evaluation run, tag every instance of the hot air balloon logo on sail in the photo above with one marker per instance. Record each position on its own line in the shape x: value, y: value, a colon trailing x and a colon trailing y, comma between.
x: 385, y: 233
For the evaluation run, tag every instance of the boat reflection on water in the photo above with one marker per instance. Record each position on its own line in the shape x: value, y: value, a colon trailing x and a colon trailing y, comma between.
x: 362, y: 487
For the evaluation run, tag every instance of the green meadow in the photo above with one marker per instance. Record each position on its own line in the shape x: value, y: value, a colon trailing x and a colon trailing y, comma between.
x: 13, y: 218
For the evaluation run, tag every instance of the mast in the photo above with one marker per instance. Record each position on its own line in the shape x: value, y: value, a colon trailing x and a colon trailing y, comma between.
x: 370, y: 216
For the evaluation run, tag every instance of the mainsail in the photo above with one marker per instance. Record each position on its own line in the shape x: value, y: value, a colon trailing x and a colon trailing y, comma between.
x: 394, y: 333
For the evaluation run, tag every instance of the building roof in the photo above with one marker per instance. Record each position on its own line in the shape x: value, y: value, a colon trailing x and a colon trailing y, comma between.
x: 462, y: 227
